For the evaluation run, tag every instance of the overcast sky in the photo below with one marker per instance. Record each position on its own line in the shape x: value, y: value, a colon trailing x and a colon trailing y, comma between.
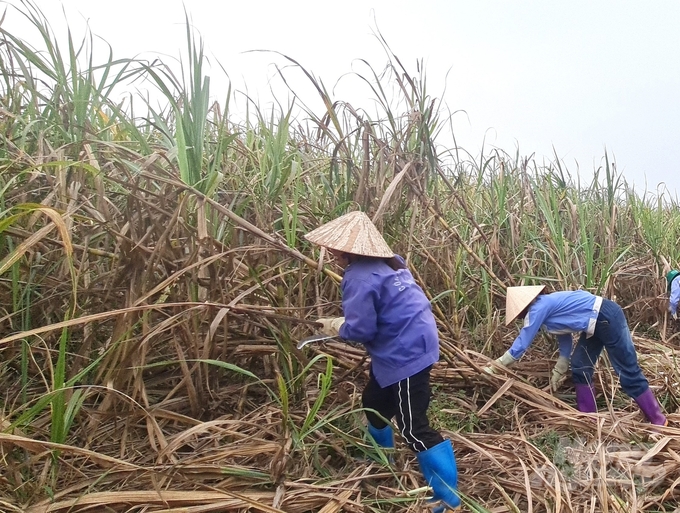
x: 579, y: 76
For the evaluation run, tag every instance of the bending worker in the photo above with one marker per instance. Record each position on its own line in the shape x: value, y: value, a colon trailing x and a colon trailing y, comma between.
x: 602, y: 325
x: 386, y: 311
x: 674, y: 290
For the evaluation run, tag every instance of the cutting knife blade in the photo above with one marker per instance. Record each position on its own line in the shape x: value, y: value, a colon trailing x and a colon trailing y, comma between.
x: 313, y: 338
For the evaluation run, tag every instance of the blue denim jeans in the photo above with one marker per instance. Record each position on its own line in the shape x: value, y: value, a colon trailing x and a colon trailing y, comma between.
x: 612, y: 334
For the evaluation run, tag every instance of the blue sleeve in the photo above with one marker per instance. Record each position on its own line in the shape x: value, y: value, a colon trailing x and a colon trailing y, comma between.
x: 358, y: 306
x: 533, y: 321
x: 565, y: 343
x: 524, y: 339
x: 675, y: 296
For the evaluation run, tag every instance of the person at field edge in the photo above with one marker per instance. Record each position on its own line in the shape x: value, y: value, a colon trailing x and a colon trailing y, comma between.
x: 602, y: 325
x: 387, y: 311
x: 674, y: 290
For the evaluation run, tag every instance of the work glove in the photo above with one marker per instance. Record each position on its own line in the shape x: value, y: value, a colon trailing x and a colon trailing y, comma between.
x: 331, y: 325
x: 675, y: 316
x: 504, y: 361
x: 560, y: 369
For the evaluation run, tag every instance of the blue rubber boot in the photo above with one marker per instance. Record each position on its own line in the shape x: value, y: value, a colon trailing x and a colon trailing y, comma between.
x: 438, y: 465
x: 383, y: 437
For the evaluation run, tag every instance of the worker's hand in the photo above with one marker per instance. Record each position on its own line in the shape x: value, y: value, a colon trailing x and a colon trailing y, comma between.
x: 504, y: 361
x: 675, y: 316
x: 331, y: 325
x: 560, y: 369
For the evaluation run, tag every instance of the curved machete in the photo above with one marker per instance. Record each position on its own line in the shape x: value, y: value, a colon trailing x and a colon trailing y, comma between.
x: 313, y: 338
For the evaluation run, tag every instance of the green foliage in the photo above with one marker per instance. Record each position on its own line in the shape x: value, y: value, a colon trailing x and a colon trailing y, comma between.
x: 446, y: 414
x: 189, y: 97
x: 76, y: 101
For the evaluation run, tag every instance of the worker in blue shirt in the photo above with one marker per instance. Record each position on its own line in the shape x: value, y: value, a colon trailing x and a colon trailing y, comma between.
x: 674, y: 290
x: 386, y: 311
x: 602, y: 325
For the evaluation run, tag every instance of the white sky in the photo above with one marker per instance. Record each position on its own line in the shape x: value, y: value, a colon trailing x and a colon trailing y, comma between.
x: 579, y: 76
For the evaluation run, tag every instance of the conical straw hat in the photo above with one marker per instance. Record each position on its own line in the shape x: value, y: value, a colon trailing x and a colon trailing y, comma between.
x: 518, y: 298
x: 352, y: 233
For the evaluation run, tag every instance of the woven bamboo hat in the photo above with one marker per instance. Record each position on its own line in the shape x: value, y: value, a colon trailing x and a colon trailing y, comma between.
x: 518, y: 298
x: 352, y: 233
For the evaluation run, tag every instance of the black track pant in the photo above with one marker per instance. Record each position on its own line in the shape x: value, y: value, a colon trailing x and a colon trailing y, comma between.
x: 407, y: 401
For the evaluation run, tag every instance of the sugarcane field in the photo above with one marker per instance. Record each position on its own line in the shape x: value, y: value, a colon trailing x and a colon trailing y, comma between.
x: 191, y: 322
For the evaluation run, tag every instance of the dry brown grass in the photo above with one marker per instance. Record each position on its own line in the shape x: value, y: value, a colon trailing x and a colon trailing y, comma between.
x: 162, y: 430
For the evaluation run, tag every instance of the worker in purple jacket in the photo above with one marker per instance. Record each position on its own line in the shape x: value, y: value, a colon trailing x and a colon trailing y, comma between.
x: 601, y: 324
x: 386, y: 311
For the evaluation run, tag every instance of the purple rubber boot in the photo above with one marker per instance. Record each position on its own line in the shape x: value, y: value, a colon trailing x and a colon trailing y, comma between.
x: 650, y: 407
x: 585, y: 398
